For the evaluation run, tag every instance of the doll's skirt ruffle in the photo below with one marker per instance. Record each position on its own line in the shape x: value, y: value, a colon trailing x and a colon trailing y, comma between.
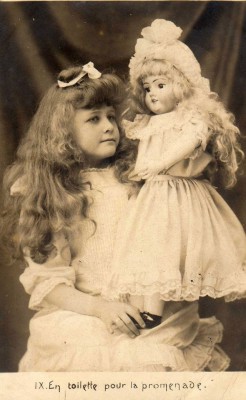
x: 65, y: 341
x: 182, y: 240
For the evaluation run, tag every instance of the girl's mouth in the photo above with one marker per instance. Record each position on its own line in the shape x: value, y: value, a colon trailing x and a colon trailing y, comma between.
x: 108, y: 140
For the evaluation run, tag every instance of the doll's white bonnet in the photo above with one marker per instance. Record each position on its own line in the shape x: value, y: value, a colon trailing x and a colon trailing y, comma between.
x: 160, y: 42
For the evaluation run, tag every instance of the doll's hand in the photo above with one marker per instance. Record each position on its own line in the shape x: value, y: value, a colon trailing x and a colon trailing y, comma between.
x: 116, y: 314
x: 153, y: 168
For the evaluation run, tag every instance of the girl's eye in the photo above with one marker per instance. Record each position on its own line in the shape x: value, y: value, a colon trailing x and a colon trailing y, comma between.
x: 94, y: 119
x: 161, y: 85
x: 111, y: 117
x: 146, y: 89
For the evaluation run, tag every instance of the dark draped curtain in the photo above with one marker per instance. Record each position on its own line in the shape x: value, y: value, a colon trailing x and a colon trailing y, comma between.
x: 38, y: 39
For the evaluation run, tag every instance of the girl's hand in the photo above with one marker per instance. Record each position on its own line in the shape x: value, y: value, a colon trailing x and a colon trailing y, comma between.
x: 153, y: 168
x: 115, y: 315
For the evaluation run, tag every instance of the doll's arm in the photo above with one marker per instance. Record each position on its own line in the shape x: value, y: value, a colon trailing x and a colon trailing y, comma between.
x: 195, y: 134
x: 176, y: 152
x: 180, y: 150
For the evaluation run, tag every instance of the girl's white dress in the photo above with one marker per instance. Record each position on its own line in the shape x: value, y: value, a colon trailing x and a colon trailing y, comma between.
x: 179, y: 238
x: 66, y: 341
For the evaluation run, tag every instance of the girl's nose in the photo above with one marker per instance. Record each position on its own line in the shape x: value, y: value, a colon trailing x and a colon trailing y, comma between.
x: 107, y: 126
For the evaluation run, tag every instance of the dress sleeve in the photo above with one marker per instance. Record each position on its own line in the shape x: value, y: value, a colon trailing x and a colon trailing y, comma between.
x: 133, y: 128
x: 39, y: 279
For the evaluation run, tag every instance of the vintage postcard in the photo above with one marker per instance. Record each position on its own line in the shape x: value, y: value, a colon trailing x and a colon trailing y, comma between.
x: 125, y: 127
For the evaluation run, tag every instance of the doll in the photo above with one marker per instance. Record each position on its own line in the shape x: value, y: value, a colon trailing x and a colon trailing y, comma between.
x: 180, y: 240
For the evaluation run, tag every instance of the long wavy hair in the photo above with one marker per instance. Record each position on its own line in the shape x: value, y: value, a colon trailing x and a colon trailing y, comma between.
x: 223, y: 143
x: 49, y: 163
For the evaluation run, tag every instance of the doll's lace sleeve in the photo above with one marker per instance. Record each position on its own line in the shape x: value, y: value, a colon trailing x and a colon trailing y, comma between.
x: 133, y: 128
x: 39, y: 279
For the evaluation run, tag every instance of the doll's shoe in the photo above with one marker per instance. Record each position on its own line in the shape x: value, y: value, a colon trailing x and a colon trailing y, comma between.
x: 150, y: 320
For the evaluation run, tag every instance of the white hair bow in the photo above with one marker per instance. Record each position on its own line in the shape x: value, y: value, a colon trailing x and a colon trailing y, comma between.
x: 87, y: 69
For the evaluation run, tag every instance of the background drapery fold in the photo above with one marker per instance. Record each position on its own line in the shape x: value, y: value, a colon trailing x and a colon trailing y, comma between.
x: 38, y: 39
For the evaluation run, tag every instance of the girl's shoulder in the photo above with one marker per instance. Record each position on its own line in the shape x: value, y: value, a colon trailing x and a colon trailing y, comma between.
x: 96, y: 176
x: 100, y: 177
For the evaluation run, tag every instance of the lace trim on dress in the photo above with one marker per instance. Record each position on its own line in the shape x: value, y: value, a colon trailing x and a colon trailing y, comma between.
x: 175, y: 290
x: 206, y: 353
x: 108, y: 167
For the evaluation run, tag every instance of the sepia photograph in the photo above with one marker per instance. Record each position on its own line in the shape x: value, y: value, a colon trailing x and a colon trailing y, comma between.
x: 122, y: 141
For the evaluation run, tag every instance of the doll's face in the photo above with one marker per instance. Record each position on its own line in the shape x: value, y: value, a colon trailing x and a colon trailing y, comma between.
x: 159, y: 96
x: 96, y: 133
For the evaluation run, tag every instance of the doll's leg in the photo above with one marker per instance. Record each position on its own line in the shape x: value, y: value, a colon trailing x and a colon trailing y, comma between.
x: 150, y: 307
x: 153, y: 304
x: 153, y: 310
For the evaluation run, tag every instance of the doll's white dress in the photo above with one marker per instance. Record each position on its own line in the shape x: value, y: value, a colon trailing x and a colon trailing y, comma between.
x: 66, y: 341
x: 179, y: 238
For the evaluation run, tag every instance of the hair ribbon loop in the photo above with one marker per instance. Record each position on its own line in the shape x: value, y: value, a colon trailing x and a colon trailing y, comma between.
x: 87, y: 69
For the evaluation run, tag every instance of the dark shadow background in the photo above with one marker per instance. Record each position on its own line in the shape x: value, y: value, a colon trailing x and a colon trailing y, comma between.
x: 38, y: 39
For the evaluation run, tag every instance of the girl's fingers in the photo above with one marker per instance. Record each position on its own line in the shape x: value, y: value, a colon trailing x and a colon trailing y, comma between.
x: 130, y: 325
x: 120, y: 324
x: 135, y: 314
x: 124, y: 319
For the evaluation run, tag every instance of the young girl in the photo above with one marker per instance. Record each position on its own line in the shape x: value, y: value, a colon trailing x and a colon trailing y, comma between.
x: 180, y: 239
x: 62, y: 214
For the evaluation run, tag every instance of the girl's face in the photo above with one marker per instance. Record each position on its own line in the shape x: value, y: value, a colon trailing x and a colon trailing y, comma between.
x: 96, y: 133
x: 159, y: 96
